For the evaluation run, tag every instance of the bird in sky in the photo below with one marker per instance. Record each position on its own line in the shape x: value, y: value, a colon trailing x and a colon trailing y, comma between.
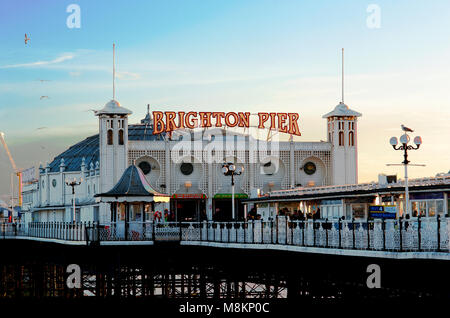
x: 40, y: 128
x: 43, y: 80
x: 26, y: 39
x: 91, y: 110
x: 406, y: 129
x: 42, y: 97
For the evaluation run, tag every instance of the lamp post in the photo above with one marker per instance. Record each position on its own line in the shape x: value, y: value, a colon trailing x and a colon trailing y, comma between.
x: 404, y: 140
x: 73, y: 184
x: 229, y: 169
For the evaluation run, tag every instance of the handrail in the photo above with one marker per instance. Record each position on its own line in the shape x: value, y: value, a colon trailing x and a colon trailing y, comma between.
x: 418, y: 234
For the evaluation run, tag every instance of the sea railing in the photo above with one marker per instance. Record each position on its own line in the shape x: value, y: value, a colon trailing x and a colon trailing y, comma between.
x: 421, y: 234
x: 418, y: 234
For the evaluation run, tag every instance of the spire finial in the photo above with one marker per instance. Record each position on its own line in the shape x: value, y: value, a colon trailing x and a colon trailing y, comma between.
x: 342, y: 76
x: 114, y: 71
x: 148, y: 109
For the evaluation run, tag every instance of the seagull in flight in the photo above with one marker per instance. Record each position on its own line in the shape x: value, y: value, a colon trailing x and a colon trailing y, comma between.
x: 26, y: 39
x: 43, y: 80
x: 406, y: 129
x: 40, y: 128
x: 42, y: 97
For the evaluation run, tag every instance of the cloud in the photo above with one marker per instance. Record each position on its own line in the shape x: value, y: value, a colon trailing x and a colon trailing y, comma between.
x: 57, y: 60
x: 74, y: 74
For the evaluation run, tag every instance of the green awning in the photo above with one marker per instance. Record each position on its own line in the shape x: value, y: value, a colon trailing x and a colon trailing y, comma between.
x: 228, y: 196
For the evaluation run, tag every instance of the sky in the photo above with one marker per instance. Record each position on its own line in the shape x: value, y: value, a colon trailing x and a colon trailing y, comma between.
x: 234, y: 55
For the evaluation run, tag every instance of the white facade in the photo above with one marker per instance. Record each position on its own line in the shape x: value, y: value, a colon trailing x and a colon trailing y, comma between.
x: 189, y: 167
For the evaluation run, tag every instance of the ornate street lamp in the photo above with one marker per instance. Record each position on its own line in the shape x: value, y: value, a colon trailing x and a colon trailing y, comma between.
x: 404, y: 140
x: 73, y: 184
x: 229, y: 169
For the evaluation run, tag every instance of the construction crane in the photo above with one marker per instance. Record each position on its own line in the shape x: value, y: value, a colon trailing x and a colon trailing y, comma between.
x: 18, y: 172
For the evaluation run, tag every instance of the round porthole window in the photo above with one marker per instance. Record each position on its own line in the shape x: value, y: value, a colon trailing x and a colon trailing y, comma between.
x: 309, y: 168
x: 269, y: 168
x: 186, y: 168
x: 54, y: 183
x: 145, y: 167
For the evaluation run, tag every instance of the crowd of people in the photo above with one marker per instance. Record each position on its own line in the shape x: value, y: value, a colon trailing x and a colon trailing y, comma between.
x: 299, y: 215
x: 169, y: 216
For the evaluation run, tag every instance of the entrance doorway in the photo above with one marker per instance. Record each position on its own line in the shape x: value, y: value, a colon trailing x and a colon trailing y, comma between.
x: 222, y: 210
x: 189, y: 210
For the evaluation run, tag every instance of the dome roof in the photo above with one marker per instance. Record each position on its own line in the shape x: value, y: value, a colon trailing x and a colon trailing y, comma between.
x: 89, y: 149
x: 113, y: 107
x: 342, y: 110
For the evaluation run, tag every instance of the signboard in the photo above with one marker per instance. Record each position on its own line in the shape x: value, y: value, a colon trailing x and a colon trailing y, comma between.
x: 170, y: 121
x: 383, y: 211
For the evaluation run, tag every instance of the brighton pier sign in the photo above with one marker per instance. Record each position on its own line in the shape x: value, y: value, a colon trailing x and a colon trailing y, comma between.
x: 170, y: 121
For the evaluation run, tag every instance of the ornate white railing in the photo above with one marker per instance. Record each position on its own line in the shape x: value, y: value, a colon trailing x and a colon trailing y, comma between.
x: 425, y: 234
x: 421, y: 234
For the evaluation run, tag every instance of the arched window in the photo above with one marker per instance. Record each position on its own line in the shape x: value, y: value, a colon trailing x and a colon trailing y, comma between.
x: 351, y: 139
x: 121, y: 137
x: 341, y: 138
x: 110, y: 137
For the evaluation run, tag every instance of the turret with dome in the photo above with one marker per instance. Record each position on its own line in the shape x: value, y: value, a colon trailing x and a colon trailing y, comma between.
x: 342, y: 134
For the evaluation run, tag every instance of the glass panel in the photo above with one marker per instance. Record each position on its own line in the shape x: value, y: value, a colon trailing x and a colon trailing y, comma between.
x: 148, y: 212
x: 431, y: 207
x: 121, y: 212
x: 440, y: 207
x: 422, y: 208
x: 358, y: 210
x: 136, y: 212
x: 414, y: 207
x: 348, y: 212
x: 335, y: 212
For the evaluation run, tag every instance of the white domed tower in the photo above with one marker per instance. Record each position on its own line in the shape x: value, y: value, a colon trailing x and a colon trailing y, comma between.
x: 113, y: 143
x: 342, y: 131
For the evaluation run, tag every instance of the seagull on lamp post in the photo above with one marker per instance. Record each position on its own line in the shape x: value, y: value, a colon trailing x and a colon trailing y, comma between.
x: 406, y: 129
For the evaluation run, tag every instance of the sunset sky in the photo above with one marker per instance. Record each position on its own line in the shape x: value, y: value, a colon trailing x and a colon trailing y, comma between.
x: 234, y: 55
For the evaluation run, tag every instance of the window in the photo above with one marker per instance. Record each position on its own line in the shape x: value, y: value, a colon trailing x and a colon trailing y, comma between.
x: 145, y: 167
x: 309, y: 168
x: 110, y: 136
x: 121, y: 137
x: 54, y: 183
x: 351, y: 139
x: 341, y: 138
x: 269, y: 168
x: 186, y: 168
x: 427, y: 208
x: 96, y: 213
